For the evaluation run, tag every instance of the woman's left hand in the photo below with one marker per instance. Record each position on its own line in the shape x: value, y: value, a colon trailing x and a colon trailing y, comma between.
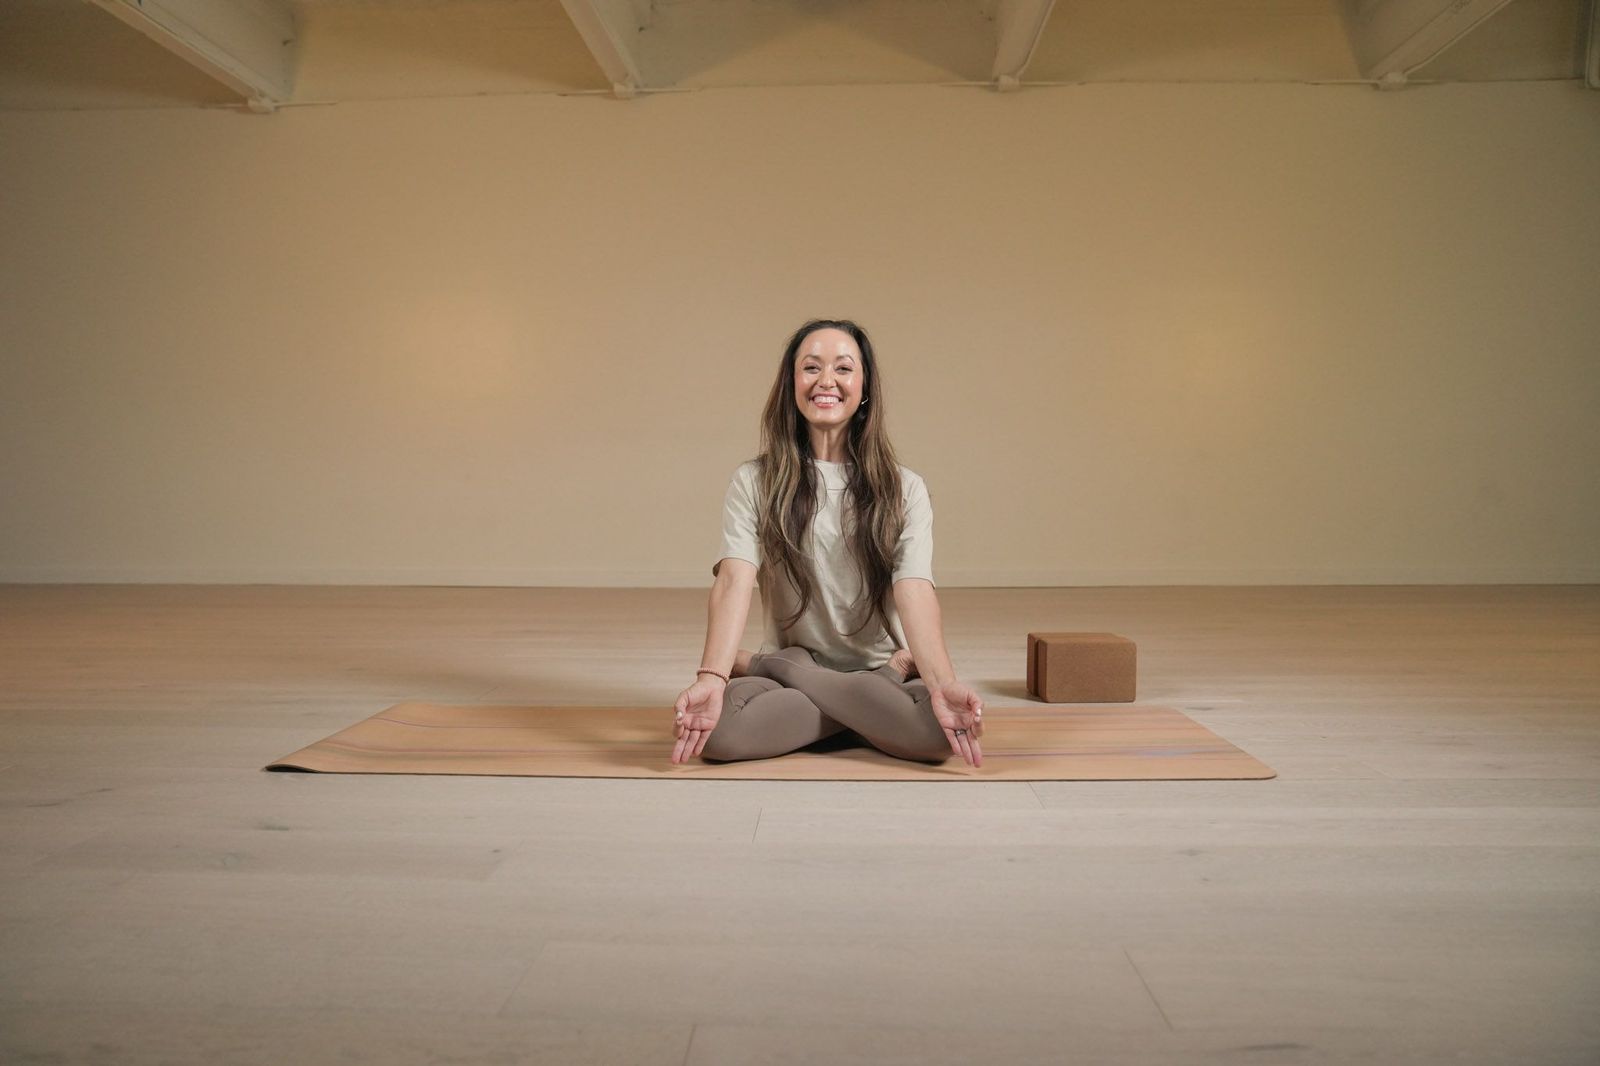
x: 957, y: 707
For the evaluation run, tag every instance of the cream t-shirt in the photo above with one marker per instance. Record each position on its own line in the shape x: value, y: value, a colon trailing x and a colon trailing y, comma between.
x: 833, y: 609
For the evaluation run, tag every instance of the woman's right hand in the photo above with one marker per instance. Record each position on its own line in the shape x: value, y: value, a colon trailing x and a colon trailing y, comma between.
x: 698, y: 708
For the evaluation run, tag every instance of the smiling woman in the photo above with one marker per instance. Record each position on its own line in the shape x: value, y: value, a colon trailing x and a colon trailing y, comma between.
x: 829, y: 379
x: 839, y: 538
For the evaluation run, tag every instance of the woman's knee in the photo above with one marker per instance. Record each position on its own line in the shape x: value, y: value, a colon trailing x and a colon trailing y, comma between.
x: 917, y: 749
x: 727, y: 739
x: 931, y: 743
x: 928, y: 742
x: 932, y: 752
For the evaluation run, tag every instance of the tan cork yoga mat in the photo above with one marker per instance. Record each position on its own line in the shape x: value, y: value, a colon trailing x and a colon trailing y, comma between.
x: 1125, y: 742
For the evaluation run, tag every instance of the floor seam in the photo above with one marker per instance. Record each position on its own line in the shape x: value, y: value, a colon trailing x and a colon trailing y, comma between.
x: 1147, y: 990
x: 501, y: 1010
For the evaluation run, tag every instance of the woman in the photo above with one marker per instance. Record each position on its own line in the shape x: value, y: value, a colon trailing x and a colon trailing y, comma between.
x: 839, y: 537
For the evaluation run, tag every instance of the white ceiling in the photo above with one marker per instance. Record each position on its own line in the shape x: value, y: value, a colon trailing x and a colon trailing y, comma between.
x: 70, y: 54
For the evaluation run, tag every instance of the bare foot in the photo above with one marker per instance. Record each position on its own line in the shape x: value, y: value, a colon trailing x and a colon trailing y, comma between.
x: 902, y: 661
x: 741, y: 663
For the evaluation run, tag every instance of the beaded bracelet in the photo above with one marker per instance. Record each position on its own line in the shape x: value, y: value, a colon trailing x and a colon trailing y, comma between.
x: 713, y: 673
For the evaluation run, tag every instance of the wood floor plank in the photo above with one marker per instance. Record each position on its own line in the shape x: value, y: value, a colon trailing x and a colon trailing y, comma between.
x: 1444, y: 990
x: 143, y: 1034
x: 893, y: 983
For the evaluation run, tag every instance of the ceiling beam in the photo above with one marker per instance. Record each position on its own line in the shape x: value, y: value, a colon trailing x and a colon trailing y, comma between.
x: 1591, y: 55
x: 609, y: 28
x: 1020, y: 24
x: 248, y: 45
x: 1392, y: 38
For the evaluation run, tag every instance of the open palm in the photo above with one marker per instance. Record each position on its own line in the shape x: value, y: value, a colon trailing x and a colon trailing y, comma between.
x: 701, y: 707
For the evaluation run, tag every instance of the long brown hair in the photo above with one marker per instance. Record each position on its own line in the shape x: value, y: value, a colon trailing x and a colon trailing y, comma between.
x: 787, y: 497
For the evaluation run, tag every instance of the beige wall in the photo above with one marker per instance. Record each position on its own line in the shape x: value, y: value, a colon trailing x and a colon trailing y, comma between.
x: 1131, y: 334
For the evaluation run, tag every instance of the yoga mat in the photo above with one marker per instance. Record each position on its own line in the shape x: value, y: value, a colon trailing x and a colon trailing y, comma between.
x: 1125, y: 742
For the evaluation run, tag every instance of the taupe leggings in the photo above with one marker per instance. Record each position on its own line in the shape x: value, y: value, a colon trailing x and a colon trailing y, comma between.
x: 789, y: 700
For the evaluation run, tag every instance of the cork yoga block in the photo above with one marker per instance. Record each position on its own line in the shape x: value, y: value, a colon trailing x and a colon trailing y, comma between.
x: 1081, y: 667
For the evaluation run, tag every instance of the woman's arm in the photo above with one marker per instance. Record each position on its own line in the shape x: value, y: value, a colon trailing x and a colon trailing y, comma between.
x: 958, y: 708
x: 726, y: 611
x: 700, y: 705
x: 924, y: 625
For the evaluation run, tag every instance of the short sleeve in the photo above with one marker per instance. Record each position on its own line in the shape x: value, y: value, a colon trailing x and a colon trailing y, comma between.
x: 739, y: 520
x: 913, y: 555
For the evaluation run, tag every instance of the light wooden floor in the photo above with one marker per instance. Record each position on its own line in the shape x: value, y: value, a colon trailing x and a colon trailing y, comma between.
x: 1420, y: 884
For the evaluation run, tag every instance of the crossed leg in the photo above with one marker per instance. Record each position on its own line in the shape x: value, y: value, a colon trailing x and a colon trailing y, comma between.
x: 892, y: 715
x: 761, y: 718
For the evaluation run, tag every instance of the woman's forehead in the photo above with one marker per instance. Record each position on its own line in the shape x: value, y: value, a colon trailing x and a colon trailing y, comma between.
x: 830, y: 344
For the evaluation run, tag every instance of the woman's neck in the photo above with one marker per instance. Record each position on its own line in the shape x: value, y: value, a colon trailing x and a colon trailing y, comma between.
x: 830, y: 447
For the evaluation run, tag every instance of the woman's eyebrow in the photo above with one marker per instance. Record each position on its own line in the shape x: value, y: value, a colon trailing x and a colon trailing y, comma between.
x: 841, y: 359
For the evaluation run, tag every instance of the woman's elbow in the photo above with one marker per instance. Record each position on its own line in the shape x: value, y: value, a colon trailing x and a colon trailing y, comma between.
x: 735, y: 576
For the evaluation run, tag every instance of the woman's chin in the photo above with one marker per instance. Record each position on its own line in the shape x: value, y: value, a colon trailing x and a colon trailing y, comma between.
x: 826, y: 418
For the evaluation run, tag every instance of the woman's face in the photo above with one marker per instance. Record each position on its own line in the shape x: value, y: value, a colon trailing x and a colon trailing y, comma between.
x: 828, y: 364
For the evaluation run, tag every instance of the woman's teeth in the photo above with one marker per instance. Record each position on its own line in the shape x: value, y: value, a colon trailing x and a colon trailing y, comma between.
x: 825, y: 401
